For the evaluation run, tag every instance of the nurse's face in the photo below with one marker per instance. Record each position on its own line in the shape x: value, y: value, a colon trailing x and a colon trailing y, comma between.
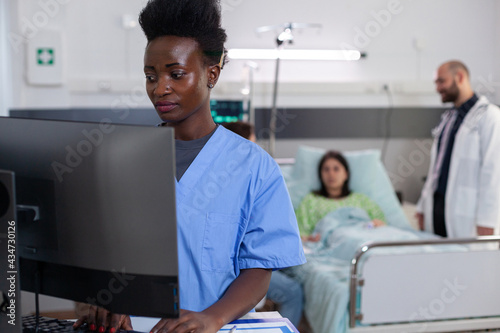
x: 333, y: 175
x: 446, y: 85
x: 177, y: 79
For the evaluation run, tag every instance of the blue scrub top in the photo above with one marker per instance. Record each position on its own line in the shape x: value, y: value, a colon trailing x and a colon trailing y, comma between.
x: 233, y: 213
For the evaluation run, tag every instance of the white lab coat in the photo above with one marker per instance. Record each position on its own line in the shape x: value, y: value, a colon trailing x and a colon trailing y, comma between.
x: 473, y: 191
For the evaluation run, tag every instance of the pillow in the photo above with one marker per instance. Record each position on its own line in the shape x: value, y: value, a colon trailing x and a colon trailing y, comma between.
x: 367, y: 176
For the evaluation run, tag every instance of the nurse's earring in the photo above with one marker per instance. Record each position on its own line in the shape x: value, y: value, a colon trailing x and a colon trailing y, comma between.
x: 210, y: 85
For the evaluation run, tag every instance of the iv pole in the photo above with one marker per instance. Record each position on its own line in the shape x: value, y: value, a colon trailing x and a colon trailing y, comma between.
x: 274, y: 108
x: 249, y: 90
x: 286, y: 36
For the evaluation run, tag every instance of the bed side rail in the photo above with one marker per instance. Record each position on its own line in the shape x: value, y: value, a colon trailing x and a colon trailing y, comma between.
x: 354, y: 279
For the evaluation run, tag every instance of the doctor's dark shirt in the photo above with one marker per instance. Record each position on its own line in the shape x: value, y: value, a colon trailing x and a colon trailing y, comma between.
x: 445, y: 167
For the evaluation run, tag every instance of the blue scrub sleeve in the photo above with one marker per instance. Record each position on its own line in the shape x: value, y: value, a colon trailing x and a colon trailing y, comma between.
x: 272, y: 237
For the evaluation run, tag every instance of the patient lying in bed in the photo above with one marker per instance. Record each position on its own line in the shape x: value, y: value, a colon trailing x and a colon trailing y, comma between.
x: 334, y: 193
x: 334, y: 222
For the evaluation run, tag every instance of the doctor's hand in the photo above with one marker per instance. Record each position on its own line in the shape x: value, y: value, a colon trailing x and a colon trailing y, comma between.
x: 99, y: 319
x: 484, y: 231
x: 420, y: 220
x: 188, y: 321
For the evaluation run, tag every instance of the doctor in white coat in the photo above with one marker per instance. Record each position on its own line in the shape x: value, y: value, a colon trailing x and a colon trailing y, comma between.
x: 461, y: 197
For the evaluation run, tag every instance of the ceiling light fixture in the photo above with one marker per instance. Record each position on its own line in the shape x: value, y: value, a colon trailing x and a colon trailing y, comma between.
x: 290, y: 54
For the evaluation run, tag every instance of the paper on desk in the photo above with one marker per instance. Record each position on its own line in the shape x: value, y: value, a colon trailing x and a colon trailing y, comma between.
x: 265, y: 325
x: 262, y: 325
x: 143, y: 324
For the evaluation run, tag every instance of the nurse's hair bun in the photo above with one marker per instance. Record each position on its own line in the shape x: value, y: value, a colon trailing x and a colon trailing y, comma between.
x: 197, y: 19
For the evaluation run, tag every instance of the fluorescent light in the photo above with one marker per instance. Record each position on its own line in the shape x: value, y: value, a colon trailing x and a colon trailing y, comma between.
x: 270, y: 54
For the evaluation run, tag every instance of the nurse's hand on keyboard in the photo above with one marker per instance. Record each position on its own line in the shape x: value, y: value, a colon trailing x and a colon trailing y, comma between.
x: 188, y: 321
x: 99, y: 319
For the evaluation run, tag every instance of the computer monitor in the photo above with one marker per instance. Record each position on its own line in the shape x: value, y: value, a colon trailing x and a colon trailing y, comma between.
x: 96, y: 217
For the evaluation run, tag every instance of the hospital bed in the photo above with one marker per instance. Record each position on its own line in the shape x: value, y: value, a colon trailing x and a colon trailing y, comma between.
x: 418, y: 283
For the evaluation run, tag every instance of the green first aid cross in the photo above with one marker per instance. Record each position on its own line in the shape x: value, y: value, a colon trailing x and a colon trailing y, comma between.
x: 45, y: 56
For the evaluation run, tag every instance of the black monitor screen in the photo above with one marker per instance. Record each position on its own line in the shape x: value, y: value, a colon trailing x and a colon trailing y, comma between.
x: 96, y: 212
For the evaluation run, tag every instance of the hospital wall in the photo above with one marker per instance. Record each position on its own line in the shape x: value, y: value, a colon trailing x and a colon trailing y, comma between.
x: 101, y: 56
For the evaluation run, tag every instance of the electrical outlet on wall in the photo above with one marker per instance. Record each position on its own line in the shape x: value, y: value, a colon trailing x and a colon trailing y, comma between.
x: 419, y: 43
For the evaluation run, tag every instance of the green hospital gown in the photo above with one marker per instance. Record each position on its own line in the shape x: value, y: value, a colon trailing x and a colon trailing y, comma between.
x: 314, y: 207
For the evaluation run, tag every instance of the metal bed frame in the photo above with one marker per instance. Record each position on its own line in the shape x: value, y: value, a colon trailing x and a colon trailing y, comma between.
x: 355, y: 281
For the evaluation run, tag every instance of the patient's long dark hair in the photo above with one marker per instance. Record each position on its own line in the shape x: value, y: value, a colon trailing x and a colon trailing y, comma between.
x: 339, y: 157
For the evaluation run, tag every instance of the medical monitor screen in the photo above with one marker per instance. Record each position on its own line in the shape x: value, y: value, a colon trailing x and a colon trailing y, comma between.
x: 96, y: 212
x: 226, y: 111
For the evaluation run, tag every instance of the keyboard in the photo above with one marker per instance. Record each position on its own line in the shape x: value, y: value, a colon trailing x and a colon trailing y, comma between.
x: 50, y: 325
